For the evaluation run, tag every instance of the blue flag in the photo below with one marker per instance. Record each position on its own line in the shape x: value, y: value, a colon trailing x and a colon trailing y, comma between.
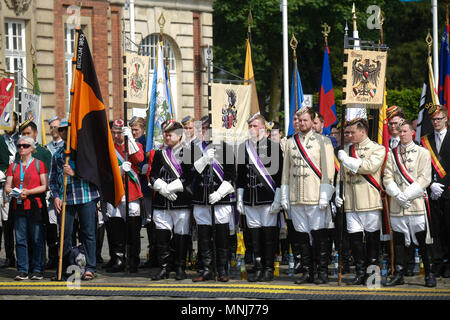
x: 160, y: 104
x: 444, y: 70
x: 296, y: 96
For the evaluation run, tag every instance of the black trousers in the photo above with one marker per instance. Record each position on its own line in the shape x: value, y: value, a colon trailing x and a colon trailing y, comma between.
x: 440, y: 226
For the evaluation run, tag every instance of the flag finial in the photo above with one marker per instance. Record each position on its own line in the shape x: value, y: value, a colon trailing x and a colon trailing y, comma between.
x: 325, y: 32
x: 250, y: 20
x: 294, y: 44
x: 355, y: 27
x: 429, y: 41
x: 161, y: 22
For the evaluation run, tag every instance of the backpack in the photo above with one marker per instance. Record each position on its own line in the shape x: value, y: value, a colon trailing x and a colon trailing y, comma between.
x: 37, y: 164
x: 78, y: 257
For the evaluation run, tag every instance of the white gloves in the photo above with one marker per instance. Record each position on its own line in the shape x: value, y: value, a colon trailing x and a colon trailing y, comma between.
x: 413, y: 191
x: 144, y: 169
x: 210, y: 154
x: 349, y: 162
x: 326, y: 192
x: 175, y: 186
x: 394, y: 191
x: 162, y: 187
x: 275, y: 207
x: 125, y: 167
x: 285, y: 197
x: 206, y: 159
x: 224, y: 189
x: 132, y: 146
x: 240, y: 200
x: 338, y: 201
x: 436, y: 190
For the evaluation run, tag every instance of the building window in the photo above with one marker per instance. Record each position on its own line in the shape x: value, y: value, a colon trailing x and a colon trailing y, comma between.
x: 15, y: 50
x: 148, y: 48
x: 69, y: 47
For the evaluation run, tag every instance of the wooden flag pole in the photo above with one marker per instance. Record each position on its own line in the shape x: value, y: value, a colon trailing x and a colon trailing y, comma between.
x: 67, y: 153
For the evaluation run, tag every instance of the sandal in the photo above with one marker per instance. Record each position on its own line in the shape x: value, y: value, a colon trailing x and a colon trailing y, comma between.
x: 88, y: 275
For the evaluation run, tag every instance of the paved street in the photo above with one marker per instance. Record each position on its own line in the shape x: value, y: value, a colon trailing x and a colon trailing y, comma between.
x: 172, y: 289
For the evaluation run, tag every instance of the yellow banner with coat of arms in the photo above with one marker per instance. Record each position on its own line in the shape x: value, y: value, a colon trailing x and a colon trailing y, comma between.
x: 231, y: 106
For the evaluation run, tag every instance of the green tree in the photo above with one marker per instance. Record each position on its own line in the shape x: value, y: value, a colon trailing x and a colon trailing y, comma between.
x: 405, y: 28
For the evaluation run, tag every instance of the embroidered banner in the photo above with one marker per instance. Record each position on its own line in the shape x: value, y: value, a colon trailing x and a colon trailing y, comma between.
x: 364, y: 80
x: 230, y: 111
x: 137, y: 73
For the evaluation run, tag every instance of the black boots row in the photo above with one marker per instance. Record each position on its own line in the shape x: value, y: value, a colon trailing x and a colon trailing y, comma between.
x: 163, y: 241
x: 206, y: 252
x: 310, y: 256
x: 265, y: 245
x: 121, y: 236
x: 400, y: 260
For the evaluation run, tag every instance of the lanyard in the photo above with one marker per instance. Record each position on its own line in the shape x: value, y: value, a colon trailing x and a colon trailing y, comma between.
x: 22, y: 173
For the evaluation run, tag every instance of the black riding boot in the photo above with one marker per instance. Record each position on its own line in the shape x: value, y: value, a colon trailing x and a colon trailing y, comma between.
x: 232, y: 240
x: 222, y: 245
x: 294, y: 240
x: 99, y: 237
x: 357, y: 246
x: 8, y: 230
x: 134, y: 239
x: 320, y: 244
x: 162, y: 247
x: 52, y: 243
x: 205, y: 253
x: 110, y: 239
x: 372, y: 249
x: 410, y: 260
x: 118, y: 229
x: 399, y: 260
x: 181, y: 247
x: 270, y: 241
x: 427, y: 258
x: 256, y: 234
x: 306, y: 258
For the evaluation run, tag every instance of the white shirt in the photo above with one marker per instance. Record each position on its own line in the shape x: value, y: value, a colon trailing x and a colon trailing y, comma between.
x: 439, y: 137
x: 394, y: 142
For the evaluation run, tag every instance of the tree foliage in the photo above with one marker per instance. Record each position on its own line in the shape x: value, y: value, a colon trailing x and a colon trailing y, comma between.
x: 405, y: 28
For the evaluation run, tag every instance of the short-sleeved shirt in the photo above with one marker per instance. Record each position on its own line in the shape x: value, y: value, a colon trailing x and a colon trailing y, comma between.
x: 31, y: 180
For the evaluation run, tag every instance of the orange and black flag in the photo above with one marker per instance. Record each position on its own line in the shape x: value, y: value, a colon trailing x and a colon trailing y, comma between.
x: 91, y: 141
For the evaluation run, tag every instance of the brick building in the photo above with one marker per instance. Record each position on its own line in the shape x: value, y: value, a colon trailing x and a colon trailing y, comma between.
x: 44, y: 26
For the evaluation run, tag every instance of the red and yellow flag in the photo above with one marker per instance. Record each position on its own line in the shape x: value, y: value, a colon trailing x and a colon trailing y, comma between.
x: 91, y: 141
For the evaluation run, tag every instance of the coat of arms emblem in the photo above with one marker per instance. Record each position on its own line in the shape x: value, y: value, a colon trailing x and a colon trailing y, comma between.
x: 229, y: 111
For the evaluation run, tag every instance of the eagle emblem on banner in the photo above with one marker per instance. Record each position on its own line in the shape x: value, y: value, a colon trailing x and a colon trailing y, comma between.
x: 365, y: 76
x: 229, y: 111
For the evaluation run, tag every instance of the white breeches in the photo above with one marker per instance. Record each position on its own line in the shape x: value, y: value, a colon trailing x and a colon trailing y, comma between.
x: 176, y: 219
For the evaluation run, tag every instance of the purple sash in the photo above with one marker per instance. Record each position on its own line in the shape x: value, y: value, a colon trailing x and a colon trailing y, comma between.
x: 217, y: 168
x: 216, y: 165
x: 259, y: 166
x: 172, y: 162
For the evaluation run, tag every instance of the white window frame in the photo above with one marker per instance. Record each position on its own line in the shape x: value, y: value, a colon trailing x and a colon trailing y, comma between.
x: 15, y: 51
x: 69, y: 47
x: 147, y: 47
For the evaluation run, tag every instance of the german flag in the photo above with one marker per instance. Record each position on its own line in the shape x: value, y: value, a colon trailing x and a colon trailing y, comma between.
x: 91, y: 142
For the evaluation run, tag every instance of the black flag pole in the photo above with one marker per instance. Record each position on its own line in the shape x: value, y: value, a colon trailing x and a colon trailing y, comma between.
x: 211, y: 171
